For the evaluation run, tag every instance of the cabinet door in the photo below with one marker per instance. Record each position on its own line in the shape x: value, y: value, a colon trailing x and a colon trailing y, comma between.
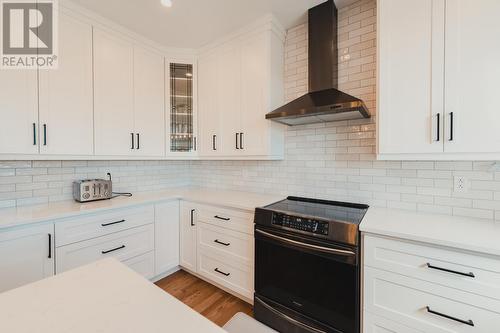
x: 166, y: 236
x: 254, y: 104
x: 27, y: 256
x: 410, y: 76
x: 18, y: 112
x: 66, y: 111
x: 228, y: 96
x: 472, y: 72
x: 209, y: 115
x: 188, y: 236
x: 149, y: 109
x: 113, y: 95
x: 181, y: 116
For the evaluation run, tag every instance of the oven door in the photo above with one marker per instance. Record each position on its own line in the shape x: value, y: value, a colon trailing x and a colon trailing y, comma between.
x: 305, y: 285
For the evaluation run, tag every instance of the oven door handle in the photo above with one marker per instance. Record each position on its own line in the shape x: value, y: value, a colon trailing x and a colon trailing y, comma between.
x: 305, y: 245
x: 290, y: 319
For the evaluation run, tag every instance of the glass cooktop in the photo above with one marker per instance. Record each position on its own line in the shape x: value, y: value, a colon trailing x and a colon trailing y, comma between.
x: 323, y: 209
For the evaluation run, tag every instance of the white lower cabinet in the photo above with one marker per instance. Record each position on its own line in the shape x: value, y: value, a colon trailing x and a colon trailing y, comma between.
x: 166, y: 236
x: 122, y: 245
x: 412, y: 287
x: 217, y: 244
x: 26, y: 255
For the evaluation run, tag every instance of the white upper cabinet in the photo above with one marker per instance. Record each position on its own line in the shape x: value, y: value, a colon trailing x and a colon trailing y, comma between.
x: 210, y: 128
x: 113, y: 95
x: 410, y: 100
x: 472, y: 75
x: 18, y: 112
x: 66, y: 111
x: 437, y: 72
x: 149, y: 111
x: 240, y: 81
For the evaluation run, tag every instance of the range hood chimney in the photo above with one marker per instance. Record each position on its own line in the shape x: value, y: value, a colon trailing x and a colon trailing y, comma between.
x: 323, y: 102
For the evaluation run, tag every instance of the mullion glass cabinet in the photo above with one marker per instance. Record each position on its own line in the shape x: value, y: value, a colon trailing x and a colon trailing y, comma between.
x: 181, y: 108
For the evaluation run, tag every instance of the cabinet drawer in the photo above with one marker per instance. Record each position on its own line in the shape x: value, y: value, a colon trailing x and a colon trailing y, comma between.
x: 412, y: 302
x: 472, y: 273
x: 226, y: 218
x: 226, y: 243
x: 376, y: 324
x: 74, y: 230
x: 143, y: 264
x: 227, y: 273
x: 122, y: 245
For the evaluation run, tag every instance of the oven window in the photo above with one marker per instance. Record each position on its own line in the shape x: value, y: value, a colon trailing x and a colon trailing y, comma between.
x: 310, y: 283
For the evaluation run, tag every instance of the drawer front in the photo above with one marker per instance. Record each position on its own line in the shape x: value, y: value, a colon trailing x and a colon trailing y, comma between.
x: 467, y: 272
x: 226, y: 273
x: 376, y: 324
x: 143, y: 264
x: 428, y: 307
x: 122, y: 245
x: 226, y: 243
x: 225, y: 218
x: 74, y: 230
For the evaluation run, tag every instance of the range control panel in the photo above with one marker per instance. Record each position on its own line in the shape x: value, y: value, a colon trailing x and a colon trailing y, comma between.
x: 300, y: 223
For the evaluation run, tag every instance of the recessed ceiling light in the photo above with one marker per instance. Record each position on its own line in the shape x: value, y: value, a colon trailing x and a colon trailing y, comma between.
x: 166, y: 3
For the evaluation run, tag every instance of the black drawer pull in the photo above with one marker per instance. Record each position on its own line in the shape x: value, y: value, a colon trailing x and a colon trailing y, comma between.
x: 115, y: 249
x: 221, y: 243
x: 221, y: 272
x: 222, y: 218
x: 34, y: 134
x: 466, y: 322
x: 470, y: 274
x: 111, y: 223
x: 438, y: 117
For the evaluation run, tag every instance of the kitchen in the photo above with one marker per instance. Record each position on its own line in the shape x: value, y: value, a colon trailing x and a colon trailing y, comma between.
x: 179, y: 122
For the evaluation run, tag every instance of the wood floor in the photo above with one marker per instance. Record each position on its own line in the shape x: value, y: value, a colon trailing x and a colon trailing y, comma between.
x: 212, y: 302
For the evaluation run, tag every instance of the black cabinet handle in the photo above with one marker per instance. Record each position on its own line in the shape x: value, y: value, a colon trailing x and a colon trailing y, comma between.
x: 194, y: 143
x: 34, y: 134
x: 221, y: 272
x: 50, y: 246
x: 470, y: 274
x: 237, y: 140
x: 115, y: 249
x: 438, y: 117
x: 241, y: 141
x: 44, y: 134
x: 192, y: 217
x: 138, y: 138
x: 111, y: 223
x: 451, y: 126
x: 133, y: 145
x: 466, y: 322
x: 221, y: 243
x: 222, y: 218
x: 214, y: 138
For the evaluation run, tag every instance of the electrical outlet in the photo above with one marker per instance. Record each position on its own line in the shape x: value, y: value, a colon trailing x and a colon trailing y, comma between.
x: 461, y: 184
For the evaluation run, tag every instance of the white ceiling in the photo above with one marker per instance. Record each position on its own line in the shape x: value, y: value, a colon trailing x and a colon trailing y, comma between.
x: 194, y: 23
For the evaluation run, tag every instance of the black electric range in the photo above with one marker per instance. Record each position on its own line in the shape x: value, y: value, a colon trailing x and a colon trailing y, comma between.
x: 307, y: 265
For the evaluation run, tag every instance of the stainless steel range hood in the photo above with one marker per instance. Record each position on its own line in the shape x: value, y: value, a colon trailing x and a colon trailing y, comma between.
x: 323, y: 102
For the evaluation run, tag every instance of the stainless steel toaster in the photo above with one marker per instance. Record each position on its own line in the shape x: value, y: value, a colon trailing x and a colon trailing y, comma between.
x: 92, y: 189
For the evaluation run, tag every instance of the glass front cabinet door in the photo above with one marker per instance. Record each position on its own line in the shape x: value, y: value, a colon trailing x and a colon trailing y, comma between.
x: 181, y: 107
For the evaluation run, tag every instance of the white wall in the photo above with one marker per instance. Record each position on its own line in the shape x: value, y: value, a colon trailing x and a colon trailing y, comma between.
x: 337, y: 160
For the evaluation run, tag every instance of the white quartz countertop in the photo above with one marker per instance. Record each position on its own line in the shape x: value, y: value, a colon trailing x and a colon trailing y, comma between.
x: 470, y: 234
x: 104, y: 296
x: 12, y: 217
